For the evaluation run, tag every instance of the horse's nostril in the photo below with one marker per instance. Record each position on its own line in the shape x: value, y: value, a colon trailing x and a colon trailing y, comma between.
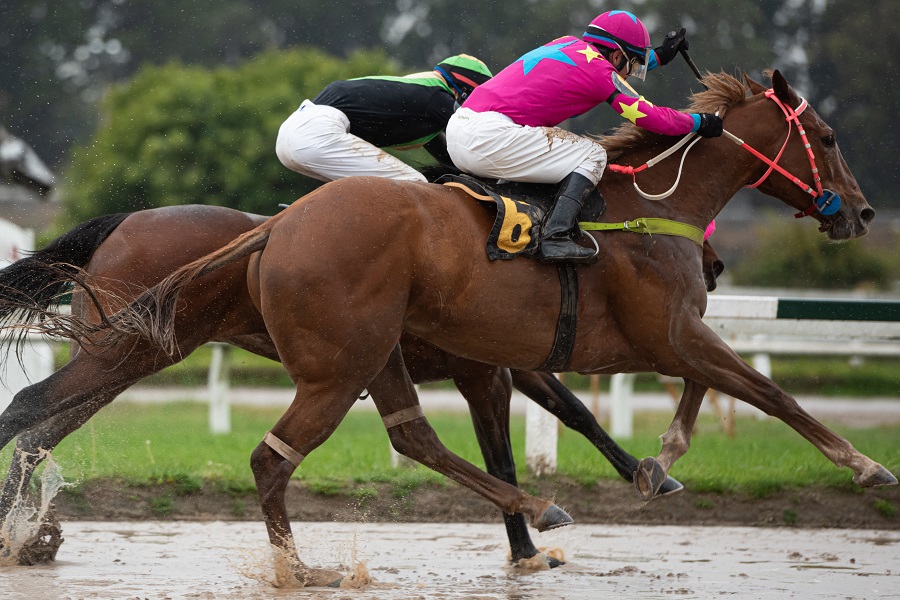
x: 867, y: 215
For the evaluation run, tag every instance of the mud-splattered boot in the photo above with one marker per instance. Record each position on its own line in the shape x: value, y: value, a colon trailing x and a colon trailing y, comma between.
x: 560, y: 228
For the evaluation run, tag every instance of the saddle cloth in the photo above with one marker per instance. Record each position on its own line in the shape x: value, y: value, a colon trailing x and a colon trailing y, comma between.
x: 521, y: 209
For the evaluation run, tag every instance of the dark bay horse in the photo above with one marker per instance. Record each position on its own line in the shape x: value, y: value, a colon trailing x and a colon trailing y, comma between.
x: 124, y: 254
x: 338, y: 277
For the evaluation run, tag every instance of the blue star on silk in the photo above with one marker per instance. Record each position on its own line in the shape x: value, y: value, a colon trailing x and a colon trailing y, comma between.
x: 623, y: 12
x: 554, y: 52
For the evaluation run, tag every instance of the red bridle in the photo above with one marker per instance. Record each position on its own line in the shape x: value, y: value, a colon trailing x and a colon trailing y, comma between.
x: 792, y: 116
x: 825, y: 201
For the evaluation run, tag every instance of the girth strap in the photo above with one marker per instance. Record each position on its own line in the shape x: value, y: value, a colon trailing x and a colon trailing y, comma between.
x: 650, y: 225
x: 286, y: 452
x: 567, y: 323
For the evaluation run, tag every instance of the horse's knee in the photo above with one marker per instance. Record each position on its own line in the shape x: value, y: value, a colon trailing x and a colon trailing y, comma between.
x: 400, y: 442
x: 414, y: 442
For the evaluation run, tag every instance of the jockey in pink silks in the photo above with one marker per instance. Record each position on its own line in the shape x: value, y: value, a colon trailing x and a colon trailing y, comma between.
x: 507, y: 126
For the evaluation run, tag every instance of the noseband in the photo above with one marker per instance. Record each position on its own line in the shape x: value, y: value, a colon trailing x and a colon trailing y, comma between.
x: 826, y: 202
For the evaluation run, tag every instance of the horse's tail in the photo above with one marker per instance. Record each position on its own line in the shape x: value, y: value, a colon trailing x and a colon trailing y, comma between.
x: 152, y: 314
x: 31, y: 288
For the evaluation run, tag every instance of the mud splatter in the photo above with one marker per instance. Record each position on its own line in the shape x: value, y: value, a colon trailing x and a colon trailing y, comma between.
x: 29, y: 535
x: 540, y: 561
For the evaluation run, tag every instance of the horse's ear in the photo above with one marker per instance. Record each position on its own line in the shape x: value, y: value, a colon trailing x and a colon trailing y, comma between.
x: 783, y: 90
x: 754, y: 86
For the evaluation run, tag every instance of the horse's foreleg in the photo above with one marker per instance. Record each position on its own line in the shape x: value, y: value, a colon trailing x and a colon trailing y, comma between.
x: 411, y: 435
x: 652, y: 473
x: 488, y: 390
x: 717, y: 366
x: 549, y: 393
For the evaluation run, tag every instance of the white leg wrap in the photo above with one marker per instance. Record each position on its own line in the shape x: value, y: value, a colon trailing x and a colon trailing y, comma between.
x: 402, y: 416
x: 288, y: 453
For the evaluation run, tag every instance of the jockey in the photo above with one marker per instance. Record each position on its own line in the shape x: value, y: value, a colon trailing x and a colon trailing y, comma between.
x: 507, y: 127
x: 341, y: 131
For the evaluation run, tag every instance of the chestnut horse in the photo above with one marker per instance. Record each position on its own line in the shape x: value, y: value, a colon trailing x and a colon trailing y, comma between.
x: 338, y: 277
x: 124, y: 254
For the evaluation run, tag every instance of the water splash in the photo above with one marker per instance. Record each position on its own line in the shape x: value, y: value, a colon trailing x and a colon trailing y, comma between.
x: 29, y: 535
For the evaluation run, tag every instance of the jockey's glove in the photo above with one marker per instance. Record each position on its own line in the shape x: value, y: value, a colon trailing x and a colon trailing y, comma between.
x: 710, y: 125
x: 673, y: 42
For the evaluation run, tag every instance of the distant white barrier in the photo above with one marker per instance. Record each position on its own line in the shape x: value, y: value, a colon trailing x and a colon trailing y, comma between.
x: 37, y: 356
x: 765, y: 325
x: 756, y: 325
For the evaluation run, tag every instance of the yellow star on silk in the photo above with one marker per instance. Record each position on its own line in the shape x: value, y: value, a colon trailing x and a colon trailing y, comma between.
x: 589, y: 53
x: 631, y: 112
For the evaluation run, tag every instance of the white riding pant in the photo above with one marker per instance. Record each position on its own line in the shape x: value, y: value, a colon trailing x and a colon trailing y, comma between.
x: 316, y: 141
x: 490, y: 144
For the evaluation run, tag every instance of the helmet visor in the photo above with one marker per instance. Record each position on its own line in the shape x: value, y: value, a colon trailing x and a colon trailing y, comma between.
x: 637, y: 63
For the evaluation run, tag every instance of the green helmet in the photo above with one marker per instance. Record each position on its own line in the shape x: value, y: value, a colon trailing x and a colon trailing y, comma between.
x: 463, y: 73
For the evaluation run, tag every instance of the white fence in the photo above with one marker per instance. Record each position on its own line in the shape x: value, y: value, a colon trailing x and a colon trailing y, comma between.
x: 760, y: 326
x: 37, y: 356
x: 757, y: 325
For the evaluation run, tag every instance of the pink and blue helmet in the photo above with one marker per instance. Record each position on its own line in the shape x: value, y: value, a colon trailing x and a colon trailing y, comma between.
x: 620, y: 29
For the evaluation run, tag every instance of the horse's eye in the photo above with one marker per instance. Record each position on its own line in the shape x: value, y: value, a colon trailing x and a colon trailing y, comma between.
x: 828, y: 141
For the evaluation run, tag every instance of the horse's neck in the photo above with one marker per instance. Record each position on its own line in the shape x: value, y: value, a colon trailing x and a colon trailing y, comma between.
x: 714, y: 171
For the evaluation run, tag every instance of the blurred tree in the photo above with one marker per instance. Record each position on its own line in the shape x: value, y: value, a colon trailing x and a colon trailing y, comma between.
x: 856, y: 77
x: 794, y: 255
x: 35, y: 100
x: 58, y: 58
x: 179, y: 135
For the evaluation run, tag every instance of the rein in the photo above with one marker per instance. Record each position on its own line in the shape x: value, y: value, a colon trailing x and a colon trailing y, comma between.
x: 633, y: 171
x: 826, y: 202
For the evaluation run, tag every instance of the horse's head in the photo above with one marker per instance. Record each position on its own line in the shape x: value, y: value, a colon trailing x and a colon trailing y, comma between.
x: 853, y: 217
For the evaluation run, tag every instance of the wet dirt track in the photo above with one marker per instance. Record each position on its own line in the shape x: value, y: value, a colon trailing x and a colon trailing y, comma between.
x: 232, y: 561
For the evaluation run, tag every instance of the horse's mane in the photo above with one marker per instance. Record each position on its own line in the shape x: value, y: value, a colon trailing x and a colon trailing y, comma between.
x: 723, y: 92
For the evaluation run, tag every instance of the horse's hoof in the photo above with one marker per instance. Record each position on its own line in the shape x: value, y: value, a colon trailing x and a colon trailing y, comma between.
x: 670, y: 486
x: 41, y: 548
x: 322, y: 578
x: 554, y: 562
x: 648, y: 478
x: 537, y: 562
x: 875, y: 477
x: 552, y: 518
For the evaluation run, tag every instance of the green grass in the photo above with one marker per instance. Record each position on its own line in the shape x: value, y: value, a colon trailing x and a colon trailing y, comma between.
x: 171, y: 443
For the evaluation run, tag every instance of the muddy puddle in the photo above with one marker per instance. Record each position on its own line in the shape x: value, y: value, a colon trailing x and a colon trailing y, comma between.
x: 214, y: 560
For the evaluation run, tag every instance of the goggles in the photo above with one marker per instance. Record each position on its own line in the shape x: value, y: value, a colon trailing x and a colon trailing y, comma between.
x: 637, y: 65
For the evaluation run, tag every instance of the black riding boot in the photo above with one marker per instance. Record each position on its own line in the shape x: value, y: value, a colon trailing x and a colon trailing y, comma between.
x: 557, y: 244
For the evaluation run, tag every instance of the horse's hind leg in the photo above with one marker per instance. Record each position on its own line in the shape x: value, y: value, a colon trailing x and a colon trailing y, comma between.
x: 411, y: 435
x: 44, y: 413
x: 650, y: 473
x: 548, y: 392
x: 487, y: 389
x: 313, y: 416
x: 33, y: 445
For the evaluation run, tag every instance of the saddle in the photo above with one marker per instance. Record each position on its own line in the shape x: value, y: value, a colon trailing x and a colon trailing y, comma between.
x: 521, y: 211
